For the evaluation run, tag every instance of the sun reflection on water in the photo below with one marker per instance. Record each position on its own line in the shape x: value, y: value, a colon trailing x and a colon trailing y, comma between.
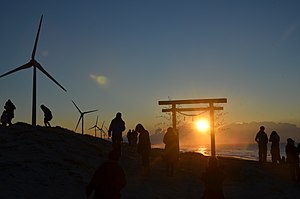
x: 203, y: 150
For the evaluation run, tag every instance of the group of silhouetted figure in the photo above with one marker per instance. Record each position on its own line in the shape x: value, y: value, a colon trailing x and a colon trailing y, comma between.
x: 109, y: 178
x: 291, y: 150
x: 8, y: 114
x: 132, y: 137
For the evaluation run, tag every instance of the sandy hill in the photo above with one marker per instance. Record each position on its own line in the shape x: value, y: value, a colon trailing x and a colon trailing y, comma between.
x: 58, y: 163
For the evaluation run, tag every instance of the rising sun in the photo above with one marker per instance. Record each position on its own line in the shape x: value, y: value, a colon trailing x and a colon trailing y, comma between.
x: 202, y: 125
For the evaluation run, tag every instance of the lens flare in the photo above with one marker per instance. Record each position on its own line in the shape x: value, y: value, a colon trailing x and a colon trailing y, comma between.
x: 100, y: 79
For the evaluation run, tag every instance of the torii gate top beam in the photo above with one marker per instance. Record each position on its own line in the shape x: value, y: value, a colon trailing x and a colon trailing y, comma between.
x: 192, y: 109
x: 193, y: 101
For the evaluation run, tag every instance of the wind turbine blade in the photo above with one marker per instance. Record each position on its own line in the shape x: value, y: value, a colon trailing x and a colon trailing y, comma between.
x: 78, y: 122
x: 90, y: 111
x: 27, y: 65
x: 91, y: 127
x: 102, y: 125
x: 97, y: 120
x: 77, y: 107
x: 36, y: 39
x: 47, y: 74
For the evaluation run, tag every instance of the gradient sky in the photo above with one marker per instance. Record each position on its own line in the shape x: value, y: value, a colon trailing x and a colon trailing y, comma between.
x: 127, y: 55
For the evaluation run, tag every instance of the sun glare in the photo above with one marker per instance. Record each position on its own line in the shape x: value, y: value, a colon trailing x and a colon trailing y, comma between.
x: 202, y: 125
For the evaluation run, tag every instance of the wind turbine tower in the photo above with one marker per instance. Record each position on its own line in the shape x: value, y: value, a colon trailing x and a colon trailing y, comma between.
x: 33, y: 63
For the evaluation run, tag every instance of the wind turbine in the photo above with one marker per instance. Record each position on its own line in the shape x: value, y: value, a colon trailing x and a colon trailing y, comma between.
x: 95, y: 127
x: 81, y: 116
x: 33, y: 63
x: 101, y: 130
x: 105, y: 134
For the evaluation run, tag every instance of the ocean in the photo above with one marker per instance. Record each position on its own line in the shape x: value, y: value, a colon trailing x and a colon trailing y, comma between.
x: 242, y: 151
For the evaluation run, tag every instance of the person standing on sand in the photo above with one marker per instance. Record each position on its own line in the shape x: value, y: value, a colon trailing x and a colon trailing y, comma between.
x: 292, y: 159
x: 144, y: 147
x: 134, y: 137
x: 116, y: 127
x: 108, y: 180
x: 171, y: 150
x: 213, y: 179
x: 275, y: 151
x: 129, y: 137
x: 262, y: 140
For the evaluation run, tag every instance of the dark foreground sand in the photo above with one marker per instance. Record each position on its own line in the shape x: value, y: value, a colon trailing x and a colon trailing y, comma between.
x: 58, y: 163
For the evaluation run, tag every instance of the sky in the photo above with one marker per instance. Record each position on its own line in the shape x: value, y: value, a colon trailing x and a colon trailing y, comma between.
x: 125, y: 56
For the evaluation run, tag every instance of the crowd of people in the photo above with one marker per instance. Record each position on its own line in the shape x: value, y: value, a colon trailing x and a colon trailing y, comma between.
x: 213, y: 175
x: 291, y: 150
x: 109, y: 178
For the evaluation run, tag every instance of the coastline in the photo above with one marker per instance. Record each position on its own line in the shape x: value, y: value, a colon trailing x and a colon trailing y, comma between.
x: 246, y: 151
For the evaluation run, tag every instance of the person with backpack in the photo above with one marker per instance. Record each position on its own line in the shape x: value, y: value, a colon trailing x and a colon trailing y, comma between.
x: 47, y: 115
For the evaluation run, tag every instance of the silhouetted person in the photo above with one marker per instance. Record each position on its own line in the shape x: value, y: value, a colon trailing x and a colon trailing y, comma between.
x: 129, y: 137
x: 108, y: 180
x: 4, y: 118
x: 275, y: 150
x: 213, y: 179
x: 292, y: 159
x: 116, y: 127
x: 134, y: 137
x: 10, y: 108
x: 171, y: 150
x: 262, y: 140
x: 47, y: 115
x: 144, y: 147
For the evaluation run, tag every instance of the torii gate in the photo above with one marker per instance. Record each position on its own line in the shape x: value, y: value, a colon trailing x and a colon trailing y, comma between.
x: 211, y: 108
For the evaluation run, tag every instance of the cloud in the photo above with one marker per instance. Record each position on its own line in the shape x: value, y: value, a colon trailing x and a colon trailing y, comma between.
x: 100, y: 79
x: 292, y: 28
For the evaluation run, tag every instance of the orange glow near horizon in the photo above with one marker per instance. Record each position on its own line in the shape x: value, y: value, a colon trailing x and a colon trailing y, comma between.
x: 202, y: 125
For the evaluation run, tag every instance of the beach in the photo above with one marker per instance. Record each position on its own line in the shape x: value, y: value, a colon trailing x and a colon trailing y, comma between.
x: 58, y: 163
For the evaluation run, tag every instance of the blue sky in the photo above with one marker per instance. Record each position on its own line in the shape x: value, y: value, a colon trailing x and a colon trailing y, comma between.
x: 146, y: 51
